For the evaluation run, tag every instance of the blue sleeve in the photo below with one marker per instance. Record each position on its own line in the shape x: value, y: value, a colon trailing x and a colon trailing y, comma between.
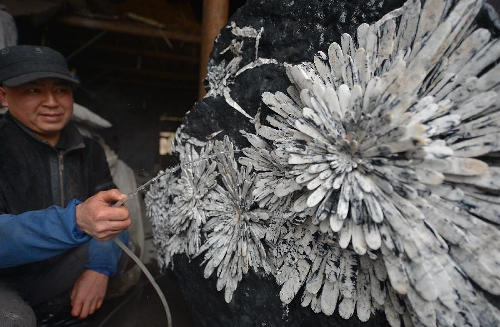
x: 38, y: 235
x: 104, y: 256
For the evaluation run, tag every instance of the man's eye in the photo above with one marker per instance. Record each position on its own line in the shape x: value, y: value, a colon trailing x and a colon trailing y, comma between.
x: 63, y: 90
x: 32, y: 90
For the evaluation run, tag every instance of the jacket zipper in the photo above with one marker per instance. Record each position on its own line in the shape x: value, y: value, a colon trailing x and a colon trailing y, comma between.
x: 61, y: 184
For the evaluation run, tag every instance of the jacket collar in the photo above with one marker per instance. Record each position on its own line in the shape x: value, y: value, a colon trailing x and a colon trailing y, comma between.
x: 70, y: 136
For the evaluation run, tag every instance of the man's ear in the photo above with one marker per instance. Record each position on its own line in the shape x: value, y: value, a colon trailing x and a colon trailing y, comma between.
x: 3, y: 97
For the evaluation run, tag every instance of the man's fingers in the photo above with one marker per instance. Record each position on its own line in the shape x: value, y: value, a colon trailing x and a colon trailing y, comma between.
x: 115, y: 214
x: 99, y: 303
x: 112, y: 196
x: 92, y: 307
x: 110, y: 229
x: 77, y: 309
x: 85, y: 310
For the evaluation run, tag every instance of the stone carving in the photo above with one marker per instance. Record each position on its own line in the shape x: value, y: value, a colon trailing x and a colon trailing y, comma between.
x: 370, y: 185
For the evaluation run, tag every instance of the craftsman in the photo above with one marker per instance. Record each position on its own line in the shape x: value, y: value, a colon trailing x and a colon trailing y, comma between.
x: 51, y: 243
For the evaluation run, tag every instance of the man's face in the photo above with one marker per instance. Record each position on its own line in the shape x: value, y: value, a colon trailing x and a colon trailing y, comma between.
x: 44, y: 106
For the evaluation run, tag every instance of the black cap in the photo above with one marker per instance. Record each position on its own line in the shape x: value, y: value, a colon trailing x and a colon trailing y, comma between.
x: 21, y: 64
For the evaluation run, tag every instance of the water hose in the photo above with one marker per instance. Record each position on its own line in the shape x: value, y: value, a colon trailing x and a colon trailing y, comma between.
x: 149, y: 276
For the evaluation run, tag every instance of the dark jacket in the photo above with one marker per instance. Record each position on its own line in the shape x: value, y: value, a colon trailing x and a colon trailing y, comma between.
x: 34, y: 175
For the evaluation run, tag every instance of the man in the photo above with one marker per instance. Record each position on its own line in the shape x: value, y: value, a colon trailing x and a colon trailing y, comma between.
x: 46, y: 169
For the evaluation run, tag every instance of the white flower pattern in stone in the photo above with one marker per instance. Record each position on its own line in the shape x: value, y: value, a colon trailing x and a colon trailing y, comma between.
x: 189, y: 192
x: 388, y: 136
x: 372, y: 185
x: 235, y: 227
x: 175, y: 201
x: 158, y: 201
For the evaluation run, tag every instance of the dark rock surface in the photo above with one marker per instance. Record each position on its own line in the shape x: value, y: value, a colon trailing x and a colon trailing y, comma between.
x: 255, y: 303
x: 293, y: 31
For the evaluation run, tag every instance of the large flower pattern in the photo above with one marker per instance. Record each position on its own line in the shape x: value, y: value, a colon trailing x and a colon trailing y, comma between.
x: 373, y: 185
x: 236, y: 228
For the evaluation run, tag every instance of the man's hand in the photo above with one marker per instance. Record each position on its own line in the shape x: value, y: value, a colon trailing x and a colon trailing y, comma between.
x: 98, y: 219
x: 88, y: 293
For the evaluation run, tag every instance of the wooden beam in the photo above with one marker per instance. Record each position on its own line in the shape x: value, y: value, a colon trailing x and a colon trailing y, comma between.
x: 128, y: 27
x: 141, y: 52
x: 188, y: 88
x: 144, y: 72
x: 215, y: 16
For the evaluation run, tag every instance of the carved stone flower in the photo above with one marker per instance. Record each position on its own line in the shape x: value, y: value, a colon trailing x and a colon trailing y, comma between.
x: 197, y: 177
x: 175, y: 201
x: 391, y: 136
x: 333, y: 278
x: 272, y: 177
x: 235, y: 227
x: 158, y: 201
x: 373, y: 183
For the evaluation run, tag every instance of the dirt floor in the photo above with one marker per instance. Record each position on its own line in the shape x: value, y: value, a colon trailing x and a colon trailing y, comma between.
x: 142, y: 307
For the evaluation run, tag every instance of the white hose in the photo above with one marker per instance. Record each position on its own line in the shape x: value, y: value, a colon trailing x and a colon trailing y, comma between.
x: 149, y: 276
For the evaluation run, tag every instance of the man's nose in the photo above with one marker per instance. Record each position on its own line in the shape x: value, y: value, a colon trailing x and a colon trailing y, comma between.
x: 50, y: 99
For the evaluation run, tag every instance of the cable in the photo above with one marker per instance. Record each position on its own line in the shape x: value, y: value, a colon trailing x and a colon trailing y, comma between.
x: 149, y: 276
x: 115, y: 310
